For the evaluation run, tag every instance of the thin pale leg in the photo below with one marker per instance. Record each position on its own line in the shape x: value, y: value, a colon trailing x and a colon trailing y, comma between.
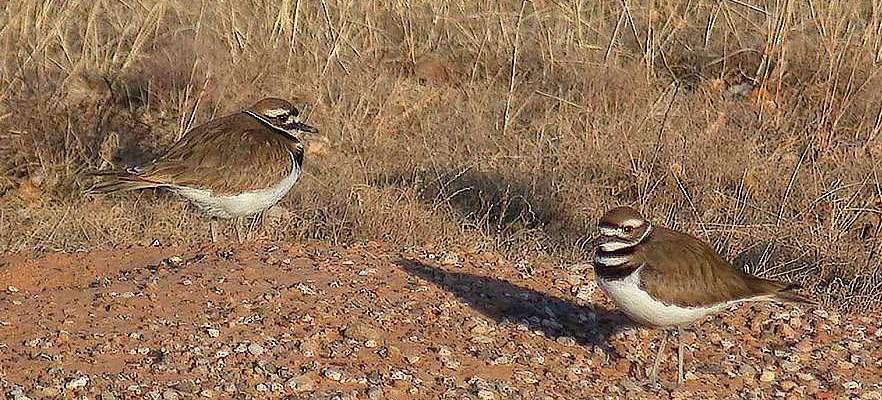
x: 212, y: 229
x: 653, y: 374
x: 255, y: 221
x: 239, y: 237
x: 681, y: 377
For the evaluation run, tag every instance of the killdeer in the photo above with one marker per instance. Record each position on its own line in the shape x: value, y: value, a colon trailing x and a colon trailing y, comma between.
x: 232, y: 167
x: 663, y: 278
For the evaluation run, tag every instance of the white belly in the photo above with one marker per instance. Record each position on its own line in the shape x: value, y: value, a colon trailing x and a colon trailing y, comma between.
x: 243, y: 204
x: 639, y: 306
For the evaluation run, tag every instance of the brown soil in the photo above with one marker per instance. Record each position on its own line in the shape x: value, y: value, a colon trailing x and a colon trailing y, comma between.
x: 317, y: 321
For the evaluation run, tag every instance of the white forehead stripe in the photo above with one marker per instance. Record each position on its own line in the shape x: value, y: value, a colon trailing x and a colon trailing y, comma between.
x: 276, y: 112
x: 632, y: 222
x: 609, y: 231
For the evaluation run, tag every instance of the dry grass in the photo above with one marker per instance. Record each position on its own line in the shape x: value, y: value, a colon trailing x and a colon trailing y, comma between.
x: 510, y: 126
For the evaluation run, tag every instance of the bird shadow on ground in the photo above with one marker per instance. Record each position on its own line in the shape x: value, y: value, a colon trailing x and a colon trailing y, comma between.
x: 506, y: 302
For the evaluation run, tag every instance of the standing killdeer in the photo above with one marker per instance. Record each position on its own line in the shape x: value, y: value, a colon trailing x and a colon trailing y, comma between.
x: 663, y: 278
x: 232, y: 167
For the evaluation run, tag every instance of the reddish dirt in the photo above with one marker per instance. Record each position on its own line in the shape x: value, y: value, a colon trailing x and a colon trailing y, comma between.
x: 368, y: 321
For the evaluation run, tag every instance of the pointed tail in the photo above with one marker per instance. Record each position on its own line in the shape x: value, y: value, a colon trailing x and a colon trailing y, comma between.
x: 118, y: 181
x: 788, y: 294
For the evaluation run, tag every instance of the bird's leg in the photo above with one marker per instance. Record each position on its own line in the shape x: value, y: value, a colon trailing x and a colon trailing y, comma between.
x: 212, y: 229
x: 238, y: 223
x: 255, y: 221
x: 653, y: 374
x: 681, y: 378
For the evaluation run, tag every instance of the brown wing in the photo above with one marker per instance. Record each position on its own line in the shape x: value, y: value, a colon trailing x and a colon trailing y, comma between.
x: 687, y: 272
x: 229, y: 155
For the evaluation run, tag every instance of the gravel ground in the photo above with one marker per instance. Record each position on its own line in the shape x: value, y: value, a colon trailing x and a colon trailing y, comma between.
x: 369, y: 321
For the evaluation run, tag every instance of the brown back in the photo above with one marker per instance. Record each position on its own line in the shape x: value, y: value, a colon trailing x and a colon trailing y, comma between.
x: 683, y: 270
x: 229, y: 155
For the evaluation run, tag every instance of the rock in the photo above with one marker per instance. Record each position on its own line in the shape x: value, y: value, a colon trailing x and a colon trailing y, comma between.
x: 525, y: 377
x: 223, y: 352
x: 767, y: 376
x: 413, y: 359
x: 583, y: 292
x: 186, y: 387
x: 302, y: 383
x: 361, y: 333
x: 485, y: 394
x: 52, y: 392
x: 566, y: 341
x: 16, y: 392
x: 375, y: 393
x: 309, y: 348
x: 805, y: 377
x: 169, y: 394
x: 107, y: 396
x: 785, y: 331
x: 747, y: 371
x: 77, y: 383
x: 333, y: 374
x: 790, y: 366
x: 851, y: 385
x: 482, y: 339
x: 872, y: 395
x: 212, y: 332
x: 630, y: 385
x: 256, y: 350
x: 449, y: 363
x: 444, y: 351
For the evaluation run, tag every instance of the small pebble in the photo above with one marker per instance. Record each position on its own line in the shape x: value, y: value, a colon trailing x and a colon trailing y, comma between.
x: 333, y: 374
x: 255, y: 349
x: 77, y: 383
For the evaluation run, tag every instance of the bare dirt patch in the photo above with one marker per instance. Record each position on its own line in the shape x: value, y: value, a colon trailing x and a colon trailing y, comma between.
x: 375, y: 321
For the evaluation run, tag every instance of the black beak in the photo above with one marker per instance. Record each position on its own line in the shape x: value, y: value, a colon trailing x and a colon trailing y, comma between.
x: 308, y: 132
x: 300, y: 126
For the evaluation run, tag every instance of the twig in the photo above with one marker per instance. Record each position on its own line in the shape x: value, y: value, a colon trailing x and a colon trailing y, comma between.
x: 514, y: 63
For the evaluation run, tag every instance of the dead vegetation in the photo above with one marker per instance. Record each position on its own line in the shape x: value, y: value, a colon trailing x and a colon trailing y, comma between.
x: 508, y: 125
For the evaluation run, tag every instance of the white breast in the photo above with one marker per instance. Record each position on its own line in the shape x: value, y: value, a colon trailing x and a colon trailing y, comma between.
x: 639, y: 306
x: 243, y: 204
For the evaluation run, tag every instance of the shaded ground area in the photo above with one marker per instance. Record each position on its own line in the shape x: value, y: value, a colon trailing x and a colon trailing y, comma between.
x: 370, y: 321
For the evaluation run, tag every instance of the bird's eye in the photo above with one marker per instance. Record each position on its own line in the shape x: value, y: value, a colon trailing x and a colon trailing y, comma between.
x: 627, y: 229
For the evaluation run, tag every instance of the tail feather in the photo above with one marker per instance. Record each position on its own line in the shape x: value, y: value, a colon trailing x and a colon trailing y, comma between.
x: 788, y: 294
x: 118, y: 181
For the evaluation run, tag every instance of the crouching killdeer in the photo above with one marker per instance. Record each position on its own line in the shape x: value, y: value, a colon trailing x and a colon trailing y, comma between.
x: 663, y: 278
x: 232, y: 167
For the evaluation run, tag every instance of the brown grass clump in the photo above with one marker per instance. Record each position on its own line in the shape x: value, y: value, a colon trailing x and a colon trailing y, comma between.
x: 505, y: 125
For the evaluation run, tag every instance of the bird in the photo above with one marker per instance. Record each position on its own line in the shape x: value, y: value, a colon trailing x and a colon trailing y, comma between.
x: 663, y: 278
x: 232, y: 167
